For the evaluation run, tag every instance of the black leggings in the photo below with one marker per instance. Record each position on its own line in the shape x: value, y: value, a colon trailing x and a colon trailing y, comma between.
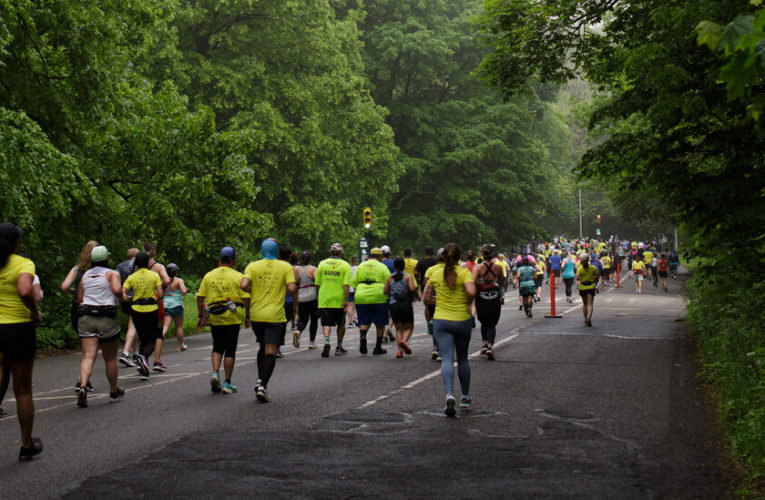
x: 488, y: 314
x: 308, y: 311
x: 569, y: 285
x: 146, y: 325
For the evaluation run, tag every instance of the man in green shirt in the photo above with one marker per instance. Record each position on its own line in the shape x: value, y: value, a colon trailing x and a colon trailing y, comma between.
x: 371, y: 302
x: 333, y: 277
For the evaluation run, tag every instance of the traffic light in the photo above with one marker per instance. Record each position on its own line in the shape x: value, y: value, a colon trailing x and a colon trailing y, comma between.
x: 598, y: 218
x: 367, y: 219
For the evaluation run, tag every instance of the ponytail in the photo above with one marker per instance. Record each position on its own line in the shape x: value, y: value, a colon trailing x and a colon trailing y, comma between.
x: 451, y: 261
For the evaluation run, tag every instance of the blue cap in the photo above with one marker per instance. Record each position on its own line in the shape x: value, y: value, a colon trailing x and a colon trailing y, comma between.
x: 228, y: 253
x: 269, y: 249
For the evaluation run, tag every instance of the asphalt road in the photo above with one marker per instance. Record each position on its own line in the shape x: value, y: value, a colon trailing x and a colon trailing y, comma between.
x: 611, y: 411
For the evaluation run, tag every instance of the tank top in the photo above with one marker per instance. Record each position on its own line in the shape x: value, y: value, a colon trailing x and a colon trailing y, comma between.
x: 399, y: 288
x: 306, y: 287
x: 172, y: 299
x: 97, y: 291
x: 569, y: 269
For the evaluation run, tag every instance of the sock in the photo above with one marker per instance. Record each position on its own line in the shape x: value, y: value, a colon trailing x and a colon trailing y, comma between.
x: 363, y: 334
x: 261, y: 355
x: 228, y: 380
x: 269, y: 363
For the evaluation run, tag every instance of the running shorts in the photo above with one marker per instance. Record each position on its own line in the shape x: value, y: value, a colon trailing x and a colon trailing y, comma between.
x: 18, y: 341
x: 333, y: 316
x: 175, y: 312
x: 369, y: 314
x: 269, y: 333
x: 402, y: 312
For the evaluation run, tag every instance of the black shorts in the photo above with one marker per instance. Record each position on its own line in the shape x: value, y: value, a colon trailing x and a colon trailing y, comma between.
x: 127, y: 308
x: 225, y: 339
x: 662, y: 274
x: 589, y: 291
x: 289, y: 311
x: 18, y: 341
x: 603, y: 272
x: 402, y: 312
x: 269, y: 333
x: 538, y: 279
x: 332, y: 316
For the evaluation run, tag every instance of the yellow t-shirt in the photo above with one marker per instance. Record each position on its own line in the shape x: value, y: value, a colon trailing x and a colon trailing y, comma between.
x: 647, y: 257
x: 587, y: 274
x: 505, y: 267
x: 12, y: 309
x: 409, y: 265
x: 221, y: 284
x: 269, y: 278
x: 144, y: 284
x: 638, y: 266
x: 539, y: 267
x: 606, y: 262
x: 452, y: 304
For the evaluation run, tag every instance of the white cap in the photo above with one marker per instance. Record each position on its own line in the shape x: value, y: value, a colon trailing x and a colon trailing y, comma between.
x: 385, y: 249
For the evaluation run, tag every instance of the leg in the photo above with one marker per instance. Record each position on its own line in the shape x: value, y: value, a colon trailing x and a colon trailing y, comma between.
x: 445, y: 341
x: 130, y: 337
x: 109, y: 353
x: 21, y: 371
x: 5, y: 379
x: 461, y: 345
x: 87, y: 358
x: 179, y: 329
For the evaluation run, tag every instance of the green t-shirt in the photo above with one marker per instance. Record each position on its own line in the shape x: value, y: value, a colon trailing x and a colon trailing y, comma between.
x: 144, y: 284
x: 369, y: 282
x: 269, y: 279
x: 12, y: 309
x: 332, y: 275
x: 452, y: 303
x: 221, y: 284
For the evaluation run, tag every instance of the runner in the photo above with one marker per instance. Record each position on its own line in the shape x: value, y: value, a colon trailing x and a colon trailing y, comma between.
x: 555, y: 263
x: 674, y: 263
x: 662, y: 269
x: 98, y: 324
x: 506, y: 270
x: 402, y: 291
x: 568, y: 273
x: 389, y: 264
x: 539, y: 275
x: 453, y: 290
x: 371, y: 302
x: 160, y: 269
x: 587, y: 276
x: 269, y: 280
x: 308, y: 301
x: 333, y: 277
x: 350, y: 311
x: 19, y: 317
x: 605, y: 269
x: 126, y: 268
x: 638, y: 270
x: 221, y: 295
x: 291, y: 299
x: 173, y: 304
x: 147, y: 290
x: 488, y: 279
x: 526, y: 286
x: 420, y: 271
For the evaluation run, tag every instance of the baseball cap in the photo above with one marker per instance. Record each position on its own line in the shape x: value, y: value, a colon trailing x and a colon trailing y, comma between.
x: 376, y: 251
x: 336, y: 246
x: 99, y: 254
x: 269, y: 249
x: 385, y: 249
x: 228, y: 252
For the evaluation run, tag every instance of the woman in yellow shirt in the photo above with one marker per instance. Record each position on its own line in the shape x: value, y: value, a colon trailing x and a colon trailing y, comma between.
x: 638, y: 270
x: 452, y: 290
x: 587, y: 276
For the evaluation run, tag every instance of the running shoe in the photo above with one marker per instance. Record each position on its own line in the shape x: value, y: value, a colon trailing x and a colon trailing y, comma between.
x: 490, y: 354
x: 144, y: 376
x: 262, y: 394
x: 182, y: 347
x: 116, y: 395
x: 229, y: 388
x: 399, y: 354
x: 26, y: 454
x: 82, y: 399
x: 389, y: 332
x: 520, y: 307
x: 159, y: 367
x: 78, y: 386
x: 325, y: 351
x: 484, y: 348
x: 430, y: 327
x: 435, y: 356
x: 339, y: 351
x: 465, y: 402
x: 279, y: 353
x: 404, y: 347
x: 450, y: 404
x: 363, y: 346
x: 438, y: 358
x: 312, y: 345
x: 589, y: 322
x: 378, y: 351
x: 215, y: 383
x: 296, y: 338
x: 531, y: 314
x: 125, y: 360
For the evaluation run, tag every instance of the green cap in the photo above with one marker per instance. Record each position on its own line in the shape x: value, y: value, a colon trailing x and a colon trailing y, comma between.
x: 99, y: 254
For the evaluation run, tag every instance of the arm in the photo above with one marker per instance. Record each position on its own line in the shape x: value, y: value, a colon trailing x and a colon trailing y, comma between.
x: 201, y: 321
x: 427, y: 295
x: 291, y: 287
x: 500, y: 275
x: 386, y: 288
x: 470, y: 289
x: 182, y: 287
x: 158, y: 291
x: 163, y: 275
x: 80, y: 294
x: 66, y: 285
x: 246, y: 284
x: 412, y: 288
x: 26, y: 293
x: 114, y: 283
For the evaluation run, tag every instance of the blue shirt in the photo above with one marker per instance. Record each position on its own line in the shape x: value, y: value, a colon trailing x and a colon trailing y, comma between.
x: 555, y: 262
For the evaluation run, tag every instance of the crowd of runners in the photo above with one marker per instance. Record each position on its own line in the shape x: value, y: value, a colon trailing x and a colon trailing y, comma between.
x: 283, y: 293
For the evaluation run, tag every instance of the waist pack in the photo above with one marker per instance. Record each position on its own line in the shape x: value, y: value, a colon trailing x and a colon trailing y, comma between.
x: 485, y: 286
x: 403, y: 296
x: 222, y: 306
x: 146, y: 301
x: 588, y: 283
x: 104, y: 311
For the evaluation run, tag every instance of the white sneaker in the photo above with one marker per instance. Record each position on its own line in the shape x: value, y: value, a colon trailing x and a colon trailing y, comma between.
x: 450, y: 404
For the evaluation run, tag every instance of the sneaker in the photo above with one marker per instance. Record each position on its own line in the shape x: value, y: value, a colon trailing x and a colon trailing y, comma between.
x: 159, y: 367
x: 116, y: 395
x: 465, y: 402
x: 404, y: 347
x: 531, y: 314
x: 363, y: 346
x: 490, y: 354
x: 279, y: 353
x: 26, y: 454
x: 262, y: 394
x: 144, y: 376
x: 296, y: 338
x: 399, y: 354
x: 385, y: 339
x: 125, y: 360
x: 484, y: 348
x: 229, y: 388
x: 215, y: 383
x: 430, y: 327
x: 312, y: 345
x: 438, y: 358
x: 142, y: 365
x: 78, y: 386
x: 325, y: 351
x: 520, y: 307
x: 182, y: 347
x: 450, y: 404
x: 589, y: 322
x: 435, y: 356
x: 389, y: 332
x: 339, y: 351
x: 378, y: 351
x: 82, y: 399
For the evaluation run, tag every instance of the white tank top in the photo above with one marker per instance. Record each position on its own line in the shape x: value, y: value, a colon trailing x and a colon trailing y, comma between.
x: 97, y: 291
